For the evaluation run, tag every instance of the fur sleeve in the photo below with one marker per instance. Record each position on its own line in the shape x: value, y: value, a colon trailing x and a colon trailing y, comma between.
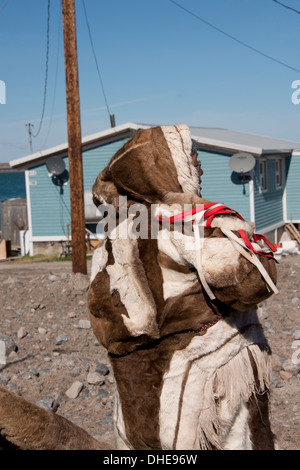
x: 231, y: 277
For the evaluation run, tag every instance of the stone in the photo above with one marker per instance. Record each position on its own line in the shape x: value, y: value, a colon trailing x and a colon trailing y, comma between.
x: 22, y: 333
x: 279, y: 385
x: 61, y: 339
x: 13, y: 356
x: 58, y: 400
x: 45, y: 403
x: 7, y: 346
x: 102, y: 369
x: 75, y: 372
x: 42, y: 331
x: 94, y: 378
x: 52, y: 278
x: 75, y: 389
x: 84, y: 324
x: 102, y: 394
x: 297, y: 334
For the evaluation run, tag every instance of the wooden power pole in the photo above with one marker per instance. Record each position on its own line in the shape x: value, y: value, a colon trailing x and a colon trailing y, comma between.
x: 74, y: 138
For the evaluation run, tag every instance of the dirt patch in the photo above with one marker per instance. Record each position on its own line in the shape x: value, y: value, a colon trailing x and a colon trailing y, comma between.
x: 44, y: 311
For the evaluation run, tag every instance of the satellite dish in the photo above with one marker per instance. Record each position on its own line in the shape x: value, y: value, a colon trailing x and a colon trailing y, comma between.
x: 57, y: 169
x: 56, y: 166
x: 242, y: 162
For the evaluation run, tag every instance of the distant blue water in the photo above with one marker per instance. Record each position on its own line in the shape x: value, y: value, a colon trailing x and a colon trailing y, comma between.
x: 12, y: 185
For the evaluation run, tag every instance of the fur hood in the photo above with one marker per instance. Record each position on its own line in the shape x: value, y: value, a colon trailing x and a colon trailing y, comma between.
x: 155, y: 163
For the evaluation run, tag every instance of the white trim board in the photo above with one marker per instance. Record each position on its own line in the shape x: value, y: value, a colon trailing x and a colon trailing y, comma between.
x: 29, y: 215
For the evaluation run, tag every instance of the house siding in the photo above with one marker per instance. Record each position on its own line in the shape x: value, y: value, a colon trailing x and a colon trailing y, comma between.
x: 292, y: 188
x: 268, y: 204
x: 50, y: 206
x: 221, y: 184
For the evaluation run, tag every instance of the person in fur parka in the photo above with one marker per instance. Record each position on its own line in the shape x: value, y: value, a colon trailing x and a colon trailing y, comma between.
x: 175, y: 304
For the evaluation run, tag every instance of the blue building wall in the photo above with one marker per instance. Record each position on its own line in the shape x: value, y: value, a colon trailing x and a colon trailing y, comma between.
x: 221, y: 184
x: 292, y: 167
x: 50, y: 204
x: 268, y: 205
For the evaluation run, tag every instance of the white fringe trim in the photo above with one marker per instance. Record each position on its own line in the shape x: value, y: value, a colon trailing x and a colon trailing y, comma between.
x: 228, y: 389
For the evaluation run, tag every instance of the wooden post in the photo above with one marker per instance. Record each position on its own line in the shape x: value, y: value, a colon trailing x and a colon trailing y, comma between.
x: 74, y: 138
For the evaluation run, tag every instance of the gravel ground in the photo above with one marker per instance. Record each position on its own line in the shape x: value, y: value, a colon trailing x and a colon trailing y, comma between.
x: 59, y: 364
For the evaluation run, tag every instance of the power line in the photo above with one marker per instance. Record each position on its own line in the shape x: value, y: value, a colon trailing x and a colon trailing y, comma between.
x: 94, y: 54
x: 96, y: 62
x: 55, y: 81
x: 46, y: 72
x: 234, y: 38
x: 287, y: 6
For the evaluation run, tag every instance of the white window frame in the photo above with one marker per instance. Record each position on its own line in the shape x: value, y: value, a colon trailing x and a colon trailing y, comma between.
x: 279, y: 173
x: 263, y: 175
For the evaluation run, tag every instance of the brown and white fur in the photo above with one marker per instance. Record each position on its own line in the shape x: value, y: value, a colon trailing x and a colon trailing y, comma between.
x: 180, y: 383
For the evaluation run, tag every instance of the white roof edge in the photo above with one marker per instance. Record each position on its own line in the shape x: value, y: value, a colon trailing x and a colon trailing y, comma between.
x: 85, y: 140
x: 227, y: 145
x: 240, y: 147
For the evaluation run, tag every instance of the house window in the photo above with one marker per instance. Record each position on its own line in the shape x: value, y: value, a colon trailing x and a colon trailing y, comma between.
x: 278, y: 173
x: 263, y: 181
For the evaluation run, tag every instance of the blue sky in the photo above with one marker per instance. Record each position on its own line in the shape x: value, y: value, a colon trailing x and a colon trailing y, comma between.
x: 158, y: 64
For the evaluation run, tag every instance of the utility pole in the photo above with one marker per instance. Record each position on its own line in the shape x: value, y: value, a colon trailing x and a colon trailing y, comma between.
x: 29, y: 126
x: 74, y: 138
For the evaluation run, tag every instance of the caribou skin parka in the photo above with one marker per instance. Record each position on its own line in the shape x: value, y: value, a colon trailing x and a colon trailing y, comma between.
x: 175, y: 285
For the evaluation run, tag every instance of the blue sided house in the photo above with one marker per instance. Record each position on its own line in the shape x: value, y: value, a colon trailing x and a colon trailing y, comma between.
x: 267, y: 195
